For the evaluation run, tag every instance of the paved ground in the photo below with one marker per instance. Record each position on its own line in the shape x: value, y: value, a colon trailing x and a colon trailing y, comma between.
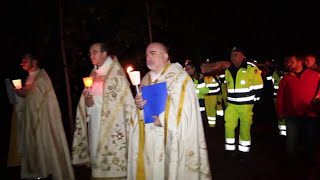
x: 265, y: 161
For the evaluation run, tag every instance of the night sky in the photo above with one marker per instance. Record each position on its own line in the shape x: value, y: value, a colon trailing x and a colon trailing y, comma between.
x: 194, y: 30
x: 197, y: 30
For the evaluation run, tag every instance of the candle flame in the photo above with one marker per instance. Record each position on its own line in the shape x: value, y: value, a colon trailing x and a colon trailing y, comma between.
x: 129, y: 69
x: 88, y: 82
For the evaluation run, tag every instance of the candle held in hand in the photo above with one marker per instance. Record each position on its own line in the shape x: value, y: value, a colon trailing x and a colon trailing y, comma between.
x: 87, y: 81
x: 134, y: 78
x: 17, y: 83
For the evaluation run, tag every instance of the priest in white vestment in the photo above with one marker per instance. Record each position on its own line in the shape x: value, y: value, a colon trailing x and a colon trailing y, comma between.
x: 40, y: 137
x: 174, y: 146
x: 104, y: 114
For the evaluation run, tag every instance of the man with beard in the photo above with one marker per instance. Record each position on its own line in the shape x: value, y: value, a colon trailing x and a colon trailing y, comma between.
x: 296, y: 92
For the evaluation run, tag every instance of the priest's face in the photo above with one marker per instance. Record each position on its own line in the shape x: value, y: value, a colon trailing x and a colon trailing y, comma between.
x: 96, y: 55
x: 26, y: 64
x: 156, y: 57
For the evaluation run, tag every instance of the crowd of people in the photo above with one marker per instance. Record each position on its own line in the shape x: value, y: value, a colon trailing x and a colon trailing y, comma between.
x: 112, y: 138
x: 296, y: 98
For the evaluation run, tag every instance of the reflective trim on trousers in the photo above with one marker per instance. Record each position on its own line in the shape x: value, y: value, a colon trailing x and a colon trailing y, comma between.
x: 283, y: 133
x: 202, y: 108
x: 222, y: 76
x: 245, y: 143
x: 243, y: 99
x: 201, y: 85
x: 257, y: 99
x: 230, y: 147
x: 243, y: 148
x: 275, y: 94
x: 269, y: 78
x: 276, y: 87
x: 220, y: 112
x: 230, y: 140
x: 282, y: 127
x: 211, y: 118
x: 212, y: 122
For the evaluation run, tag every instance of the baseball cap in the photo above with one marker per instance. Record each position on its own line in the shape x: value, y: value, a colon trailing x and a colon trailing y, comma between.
x: 237, y: 49
x: 188, y: 62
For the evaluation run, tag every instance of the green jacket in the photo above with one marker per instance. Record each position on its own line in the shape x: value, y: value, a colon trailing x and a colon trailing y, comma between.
x: 276, y: 77
x: 201, y: 88
x: 244, y: 83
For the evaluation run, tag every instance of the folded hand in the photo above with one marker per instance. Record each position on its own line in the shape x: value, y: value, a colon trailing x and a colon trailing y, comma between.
x: 140, y: 102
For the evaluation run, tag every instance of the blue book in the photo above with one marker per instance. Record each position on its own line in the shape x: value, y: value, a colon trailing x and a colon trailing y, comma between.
x: 156, y: 96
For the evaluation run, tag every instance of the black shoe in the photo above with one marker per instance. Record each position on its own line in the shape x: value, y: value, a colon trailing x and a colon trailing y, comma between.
x: 243, y: 157
x: 231, y: 154
x: 235, y: 154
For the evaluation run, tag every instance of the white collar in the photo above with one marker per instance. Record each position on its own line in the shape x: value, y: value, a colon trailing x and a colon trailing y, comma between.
x: 102, y: 70
x: 34, y: 72
x: 155, y: 76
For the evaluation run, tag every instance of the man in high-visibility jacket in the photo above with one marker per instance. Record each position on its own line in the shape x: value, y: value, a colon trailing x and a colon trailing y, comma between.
x: 212, y: 98
x: 244, y: 85
x: 201, y: 89
x: 223, y: 96
x: 276, y: 77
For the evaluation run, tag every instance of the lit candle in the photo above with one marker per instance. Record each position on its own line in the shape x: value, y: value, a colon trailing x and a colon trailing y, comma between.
x: 134, y: 77
x: 17, y: 83
x: 88, y: 82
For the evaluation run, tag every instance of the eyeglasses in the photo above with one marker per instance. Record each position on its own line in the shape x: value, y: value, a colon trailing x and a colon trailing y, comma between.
x: 94, y: 53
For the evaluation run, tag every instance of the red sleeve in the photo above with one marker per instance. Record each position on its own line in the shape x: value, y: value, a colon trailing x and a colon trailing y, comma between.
x: 318, y: 95
x: 280, y: 97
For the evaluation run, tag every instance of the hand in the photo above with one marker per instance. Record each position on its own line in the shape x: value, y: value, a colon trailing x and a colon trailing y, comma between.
x: 201, y: 76
x: 21, y: 92
x: 86, y: 91
x: 140, y: 102
x: 89, y: 100
x: 157, y: 121
x: 18, y: 91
